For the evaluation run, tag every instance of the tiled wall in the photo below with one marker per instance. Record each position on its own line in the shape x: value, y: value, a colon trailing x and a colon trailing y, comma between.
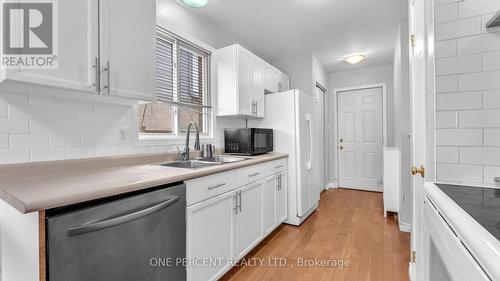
x: 467, y: 91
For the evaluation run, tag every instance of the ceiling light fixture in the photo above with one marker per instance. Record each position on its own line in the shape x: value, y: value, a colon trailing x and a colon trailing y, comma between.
x: 195, y: 3
x: 354, y: 58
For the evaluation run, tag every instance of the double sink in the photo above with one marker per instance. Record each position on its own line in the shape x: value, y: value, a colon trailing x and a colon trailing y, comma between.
x: 203, y: 162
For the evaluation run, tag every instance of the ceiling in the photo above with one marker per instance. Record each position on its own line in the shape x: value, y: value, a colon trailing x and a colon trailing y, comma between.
x: 328, y: 28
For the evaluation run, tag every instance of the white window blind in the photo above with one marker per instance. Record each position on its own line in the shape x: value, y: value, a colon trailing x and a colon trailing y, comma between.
x: 182, y: 73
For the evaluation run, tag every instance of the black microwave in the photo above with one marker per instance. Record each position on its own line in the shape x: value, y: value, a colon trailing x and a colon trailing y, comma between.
x: 248, y: 141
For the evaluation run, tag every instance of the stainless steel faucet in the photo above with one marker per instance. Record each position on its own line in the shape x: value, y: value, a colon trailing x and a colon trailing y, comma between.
x: 185, y: 153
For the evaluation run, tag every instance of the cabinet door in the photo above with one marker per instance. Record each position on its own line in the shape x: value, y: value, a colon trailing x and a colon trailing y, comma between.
x: 258, y: 87
x: 245, y: 81
x: 269, y: 202
x: 128, y: 44
x: 281, y: 198
x: 76, y: 46
x: 210, y: 234
x: 249, y: 218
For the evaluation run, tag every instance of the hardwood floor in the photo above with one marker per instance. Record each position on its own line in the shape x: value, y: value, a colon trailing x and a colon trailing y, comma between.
x: 349, y: 225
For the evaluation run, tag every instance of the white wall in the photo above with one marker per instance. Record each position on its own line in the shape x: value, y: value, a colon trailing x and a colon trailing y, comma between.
x: 402, y: 124
x: 365, y: 76
x: 467, y: 91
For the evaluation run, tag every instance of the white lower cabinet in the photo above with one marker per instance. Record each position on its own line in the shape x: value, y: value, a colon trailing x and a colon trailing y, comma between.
x: 224, y: 227
x: 249, y: 218
x: 210, y: 234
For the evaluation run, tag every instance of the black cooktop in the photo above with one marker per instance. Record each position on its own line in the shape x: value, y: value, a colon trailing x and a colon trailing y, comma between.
x: 483, y: 204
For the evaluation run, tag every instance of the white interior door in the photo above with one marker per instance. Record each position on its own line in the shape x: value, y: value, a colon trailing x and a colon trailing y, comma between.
x: 360, y: 138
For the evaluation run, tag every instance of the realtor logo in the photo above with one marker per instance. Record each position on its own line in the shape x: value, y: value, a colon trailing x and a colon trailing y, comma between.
x: 29, y: 35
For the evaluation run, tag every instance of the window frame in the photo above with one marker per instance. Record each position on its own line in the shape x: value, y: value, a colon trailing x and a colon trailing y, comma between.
x: 209, y: 113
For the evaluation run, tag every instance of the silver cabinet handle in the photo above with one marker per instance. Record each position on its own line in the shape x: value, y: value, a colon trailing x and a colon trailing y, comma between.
x: 97, y: 71
x: 278, y: 167
x: 114, y: 221
x: 235, y: 203
x: 216, y: 186
x: 239, y: 205
x: 253, y: 175
x: 107, y: 69
x: 279, y: 182
x: 256, y: 108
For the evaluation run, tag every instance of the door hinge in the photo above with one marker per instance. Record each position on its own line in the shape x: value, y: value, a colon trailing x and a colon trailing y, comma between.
x: 412, y: 40
x: 414, y: 256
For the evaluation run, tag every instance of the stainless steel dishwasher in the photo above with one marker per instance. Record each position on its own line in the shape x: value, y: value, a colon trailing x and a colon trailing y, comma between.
x: 138, y: 237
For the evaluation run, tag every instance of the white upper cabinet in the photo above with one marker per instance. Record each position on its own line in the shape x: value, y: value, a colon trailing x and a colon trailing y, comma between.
x: 76, y: 50
x: 128, y: 47
x: 242, y: 79
x: 123, y: 56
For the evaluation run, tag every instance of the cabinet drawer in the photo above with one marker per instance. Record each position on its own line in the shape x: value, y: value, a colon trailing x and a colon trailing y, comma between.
x: 279, y: 166
x: 252, y: 174
x: 207, y: 187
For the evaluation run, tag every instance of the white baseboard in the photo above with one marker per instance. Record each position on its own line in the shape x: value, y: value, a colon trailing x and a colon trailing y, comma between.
x: 331, y: 185
x: 404, y: 227
x: 411, y: 272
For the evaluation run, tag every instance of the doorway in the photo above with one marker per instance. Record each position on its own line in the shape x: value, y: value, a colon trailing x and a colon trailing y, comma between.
x: 361, y: 134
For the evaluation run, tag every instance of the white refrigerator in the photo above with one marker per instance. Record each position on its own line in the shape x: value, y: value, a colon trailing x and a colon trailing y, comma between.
x: 294, y: 117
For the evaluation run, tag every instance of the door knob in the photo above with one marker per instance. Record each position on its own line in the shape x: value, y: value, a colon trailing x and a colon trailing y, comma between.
x: 415, y: 170
x: 341, y: 140
x: 341, y: 147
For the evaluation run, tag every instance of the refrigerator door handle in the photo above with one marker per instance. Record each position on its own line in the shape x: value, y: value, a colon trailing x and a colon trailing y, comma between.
x: 309, y: 124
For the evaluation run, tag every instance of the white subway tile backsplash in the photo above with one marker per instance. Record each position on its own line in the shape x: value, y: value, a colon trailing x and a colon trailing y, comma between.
x: 492, y: 99
x: 48, y: 154
x: 447, y: 155
x: 103, y: 151
x: 460, y: 101
x: 460, y: 173
x: 460, y: 64
x: 492, y: 137
x: 486, y: 42
x: 490, y: 172
x: 56, y: 140
x: 472, y: 92
x: 479, y: 81
x: 469, y: 8
x: 491, y: 61
x: 459, y: 137
x: 14, y: 156
x: 446, y: 84
x: 446, y: 13
x: 480, y: 155
x: 79, y: 152
x: 458, y: 29
x: 29, y: 141
x: 57, y: 113
x: 78, y: 128
x: 448, y: 48
x: 447, y: 119
x: 12, y: 126
x: 43, y: 126
x: 27, y: 112
x: 89, y: 116
x: 479, y: 119
x: 105, y: 128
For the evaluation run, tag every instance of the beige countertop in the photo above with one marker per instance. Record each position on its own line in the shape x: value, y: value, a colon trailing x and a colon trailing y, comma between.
x: 33, y: 187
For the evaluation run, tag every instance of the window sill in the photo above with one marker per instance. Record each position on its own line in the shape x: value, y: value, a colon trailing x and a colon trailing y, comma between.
x: 160, y: 139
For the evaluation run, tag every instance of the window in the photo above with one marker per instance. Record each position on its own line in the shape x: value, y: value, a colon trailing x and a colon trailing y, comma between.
x: 182, y: 88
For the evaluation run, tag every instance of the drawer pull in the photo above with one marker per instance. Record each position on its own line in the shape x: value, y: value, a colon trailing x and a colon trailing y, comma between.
x: 278, y: 167
x: 216, y: 186
x: 253, y: 175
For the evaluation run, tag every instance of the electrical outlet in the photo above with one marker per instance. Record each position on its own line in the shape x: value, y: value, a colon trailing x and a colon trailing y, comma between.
x: 123, y: 135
